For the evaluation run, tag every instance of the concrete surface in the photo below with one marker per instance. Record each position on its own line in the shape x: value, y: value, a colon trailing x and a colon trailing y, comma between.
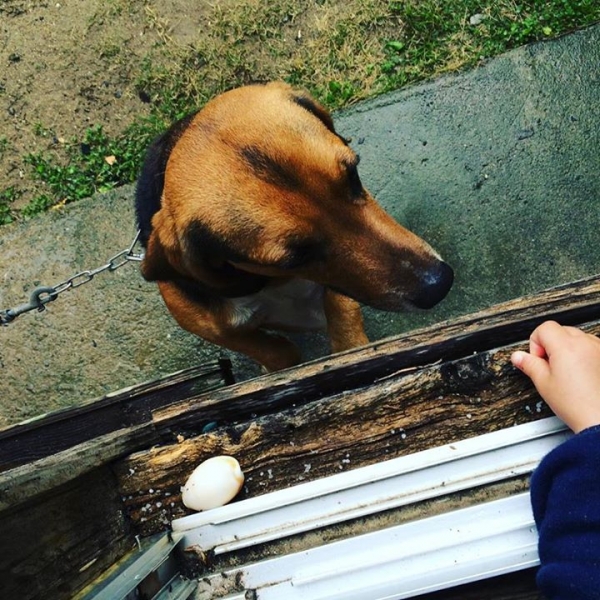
x: 498, y: 168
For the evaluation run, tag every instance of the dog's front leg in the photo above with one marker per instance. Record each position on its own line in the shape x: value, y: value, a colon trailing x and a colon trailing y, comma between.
x: 344, y: 322
x: 274, y: 352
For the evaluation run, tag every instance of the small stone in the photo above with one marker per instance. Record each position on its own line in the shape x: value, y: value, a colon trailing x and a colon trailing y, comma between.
x: 523, y: 134
x: 476, y: 19
x: 144, y: 97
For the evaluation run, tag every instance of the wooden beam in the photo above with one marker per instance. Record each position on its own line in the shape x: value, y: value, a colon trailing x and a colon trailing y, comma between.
x: 25, y: 482
x: 56, y: 432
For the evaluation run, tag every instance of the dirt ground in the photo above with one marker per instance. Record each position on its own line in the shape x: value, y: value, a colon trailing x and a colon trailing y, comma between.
x: 67, y: 65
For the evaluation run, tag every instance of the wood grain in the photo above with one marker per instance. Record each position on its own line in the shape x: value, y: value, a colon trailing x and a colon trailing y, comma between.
x: 52, y: 547
x: 24, y: 482
x: 61, y: 516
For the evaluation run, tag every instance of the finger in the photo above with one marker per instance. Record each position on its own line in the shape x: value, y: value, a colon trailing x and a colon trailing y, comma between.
x: 536, y: 368
x: 536, y: 349
x: 548, y: 336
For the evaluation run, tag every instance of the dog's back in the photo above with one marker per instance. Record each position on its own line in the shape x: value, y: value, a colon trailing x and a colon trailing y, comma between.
x: 152, y: 177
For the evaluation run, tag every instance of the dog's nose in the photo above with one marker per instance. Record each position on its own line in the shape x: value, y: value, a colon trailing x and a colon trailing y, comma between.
x: 436, y: 285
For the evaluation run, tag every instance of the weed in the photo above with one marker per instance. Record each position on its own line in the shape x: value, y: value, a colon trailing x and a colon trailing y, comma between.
x: 38, y: 205
x: 97, y: 164
x: 110, y: 50
x: 7, y: 197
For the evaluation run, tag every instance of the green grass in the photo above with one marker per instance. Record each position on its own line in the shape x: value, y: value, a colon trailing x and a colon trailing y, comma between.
x: 340, y: 52
x: 7, y: 197
x: 96, y: 164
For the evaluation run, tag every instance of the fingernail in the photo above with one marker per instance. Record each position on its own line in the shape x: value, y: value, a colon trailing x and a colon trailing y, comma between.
x: 517, y: 358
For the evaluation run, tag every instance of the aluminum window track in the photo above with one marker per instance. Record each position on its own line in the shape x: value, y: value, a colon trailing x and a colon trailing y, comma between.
x: 392, y: 563
x: 424, y: 475
x: 156, y: 561
x: 399, y: 562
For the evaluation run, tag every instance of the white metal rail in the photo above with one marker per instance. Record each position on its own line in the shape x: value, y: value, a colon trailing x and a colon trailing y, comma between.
x: 393, y: 563
x: 439, y: 471
x: 400, y: 562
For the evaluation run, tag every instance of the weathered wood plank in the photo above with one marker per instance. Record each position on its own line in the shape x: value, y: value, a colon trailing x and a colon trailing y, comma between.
x: 55, y: 432
x: 25, y: 482
x: 61, y: 516
x: 499, y: 325
x: 51, y: 548
x: 397, y: 415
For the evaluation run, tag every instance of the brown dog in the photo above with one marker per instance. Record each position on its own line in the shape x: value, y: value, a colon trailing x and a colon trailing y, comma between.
x: 254, y: 219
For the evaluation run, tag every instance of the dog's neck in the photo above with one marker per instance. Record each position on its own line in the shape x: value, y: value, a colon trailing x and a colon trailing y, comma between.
x: 242, y: 283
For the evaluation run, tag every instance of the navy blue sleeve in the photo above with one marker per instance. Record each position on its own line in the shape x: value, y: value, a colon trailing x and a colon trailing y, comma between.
x: 565, y: 496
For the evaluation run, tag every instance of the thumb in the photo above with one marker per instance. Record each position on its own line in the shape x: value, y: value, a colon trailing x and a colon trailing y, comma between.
x: 536, y: 368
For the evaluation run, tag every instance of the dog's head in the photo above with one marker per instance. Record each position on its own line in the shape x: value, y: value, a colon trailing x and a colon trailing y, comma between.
x: 260, y: 185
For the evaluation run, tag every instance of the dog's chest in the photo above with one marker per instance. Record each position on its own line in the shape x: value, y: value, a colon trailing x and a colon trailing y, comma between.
x: 294, y: 305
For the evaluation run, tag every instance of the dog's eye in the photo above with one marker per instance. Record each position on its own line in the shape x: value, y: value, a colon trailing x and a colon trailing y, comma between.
x: 302, y: 251
x: 354, y: 182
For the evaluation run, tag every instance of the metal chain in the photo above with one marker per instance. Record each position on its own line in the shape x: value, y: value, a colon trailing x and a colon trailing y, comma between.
x: 44, y: 294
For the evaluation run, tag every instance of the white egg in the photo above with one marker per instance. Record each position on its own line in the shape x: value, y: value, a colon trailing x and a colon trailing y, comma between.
x: 213, y: 483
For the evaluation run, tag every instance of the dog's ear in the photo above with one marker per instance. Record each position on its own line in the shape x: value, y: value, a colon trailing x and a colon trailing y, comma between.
x: 313, y: 107
x: 227, y: 280
x: 156, y: 265
x: 206, y: 258
x: 214, y: 273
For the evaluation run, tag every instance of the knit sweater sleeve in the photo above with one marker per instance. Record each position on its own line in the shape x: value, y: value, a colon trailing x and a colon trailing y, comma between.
x: 565, y: 496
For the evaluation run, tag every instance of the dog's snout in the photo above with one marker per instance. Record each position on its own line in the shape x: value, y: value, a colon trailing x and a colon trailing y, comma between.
x: 436, y: 284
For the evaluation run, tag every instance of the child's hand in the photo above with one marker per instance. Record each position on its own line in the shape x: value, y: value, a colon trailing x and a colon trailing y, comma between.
x: 564, y: 365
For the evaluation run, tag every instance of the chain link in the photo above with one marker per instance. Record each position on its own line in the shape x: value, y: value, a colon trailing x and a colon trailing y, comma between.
x: 44, y: 294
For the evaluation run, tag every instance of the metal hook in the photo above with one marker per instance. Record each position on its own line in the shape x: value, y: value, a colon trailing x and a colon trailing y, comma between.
x: 36, y: 300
